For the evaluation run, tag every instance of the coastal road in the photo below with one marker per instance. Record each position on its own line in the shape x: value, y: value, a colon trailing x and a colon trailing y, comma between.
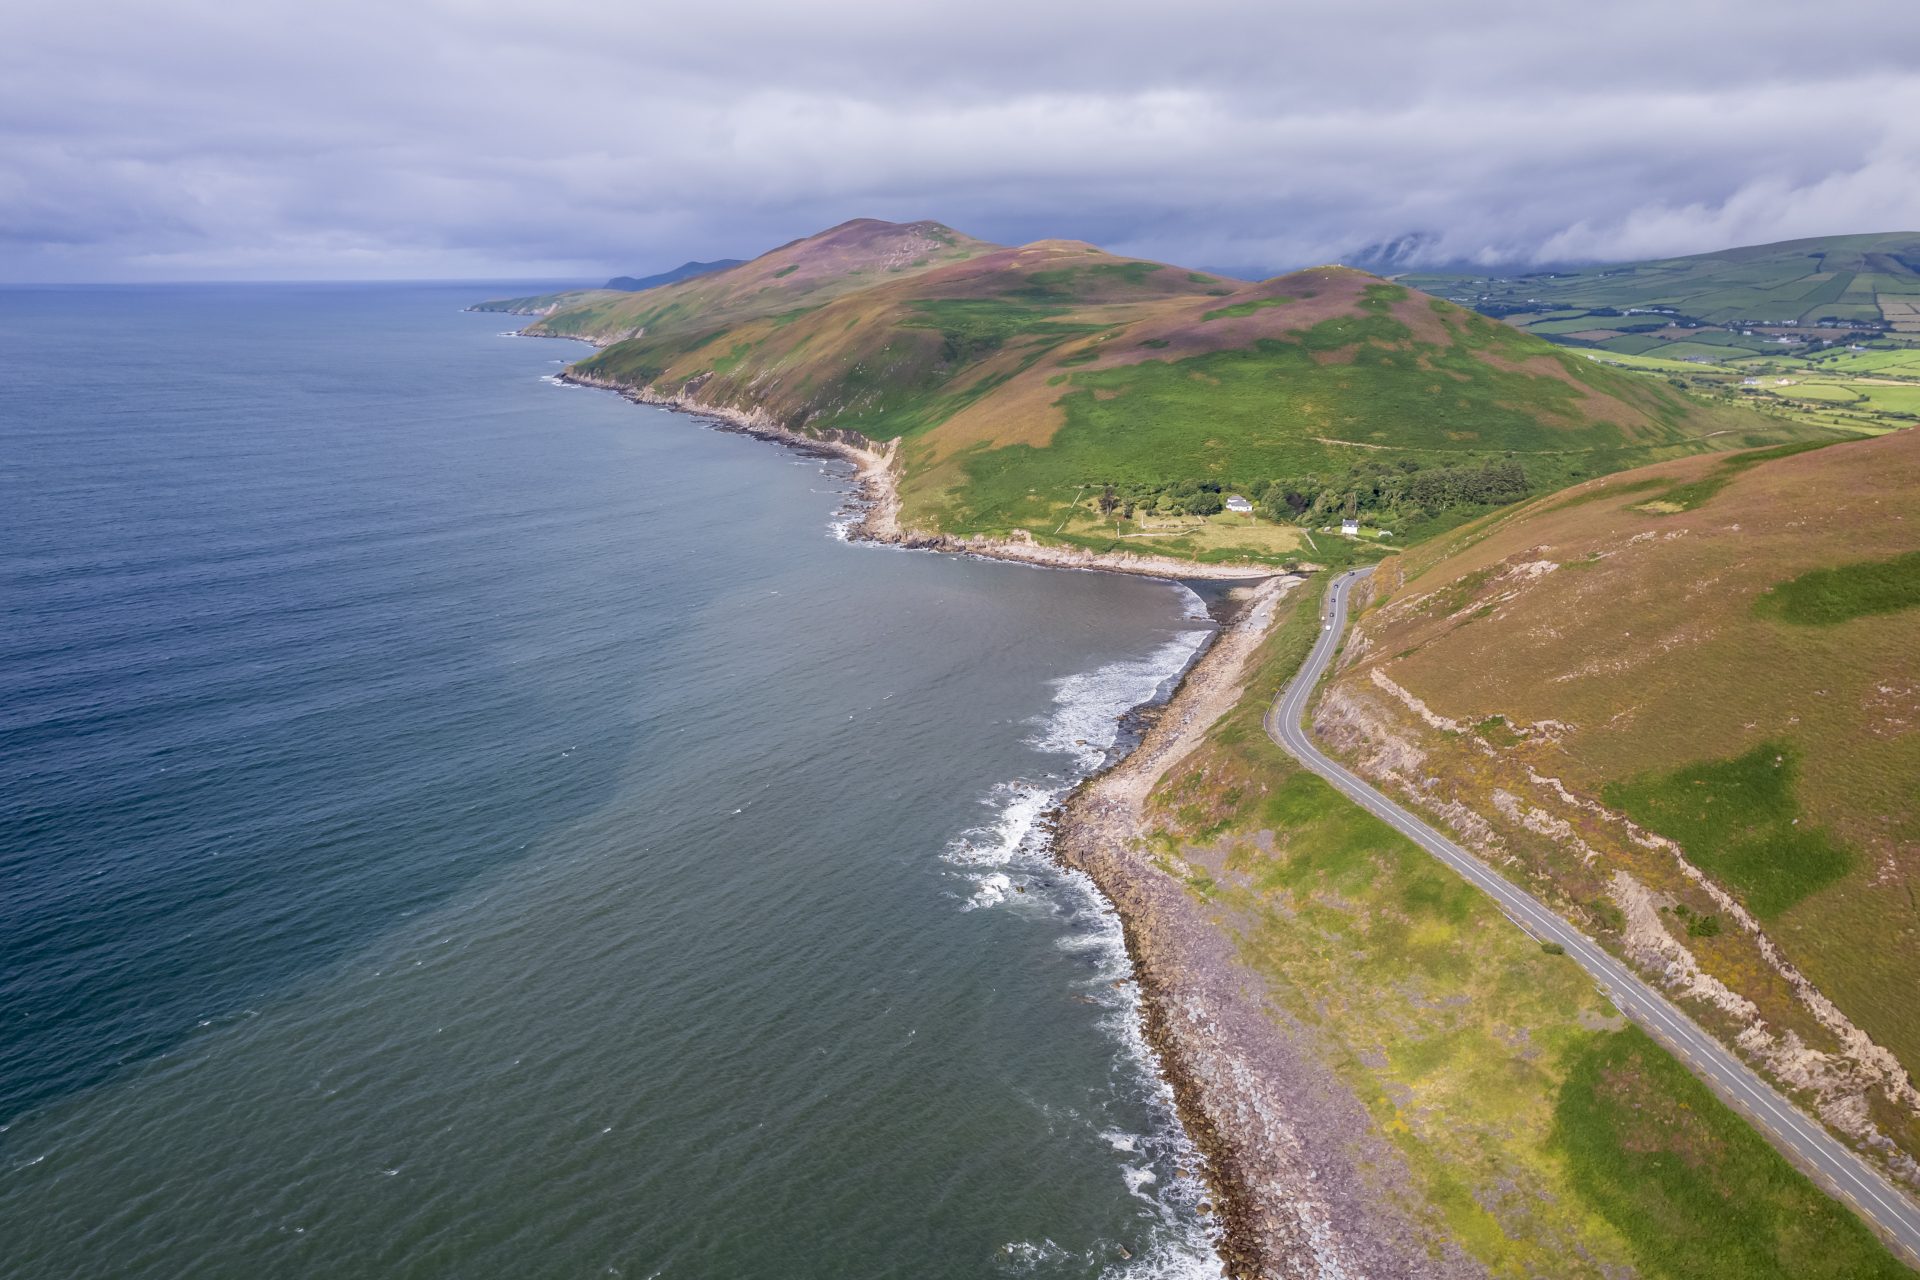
x: 1804, y: 1141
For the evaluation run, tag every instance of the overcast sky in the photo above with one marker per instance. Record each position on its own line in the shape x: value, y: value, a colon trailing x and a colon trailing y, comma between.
x: 206, y: 139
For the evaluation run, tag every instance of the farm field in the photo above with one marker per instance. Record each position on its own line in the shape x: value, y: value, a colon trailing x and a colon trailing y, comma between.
x: 1836, y: 305
x: 1224, y: 536
x: 1837, y: 278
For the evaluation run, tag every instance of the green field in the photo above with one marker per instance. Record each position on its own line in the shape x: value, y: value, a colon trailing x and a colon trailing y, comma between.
x: 1893, y: 362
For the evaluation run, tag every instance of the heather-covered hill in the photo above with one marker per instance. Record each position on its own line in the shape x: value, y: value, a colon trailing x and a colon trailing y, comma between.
x: 803, y: 272
x: 1684, y: 703
x: 852, y: 256
x: 1023, y: 383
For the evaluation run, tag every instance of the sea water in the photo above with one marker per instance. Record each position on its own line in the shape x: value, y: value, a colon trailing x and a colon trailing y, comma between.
x: 457, y: 824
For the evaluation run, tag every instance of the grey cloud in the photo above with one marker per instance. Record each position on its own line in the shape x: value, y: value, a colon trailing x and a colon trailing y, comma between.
x: 167, y: 139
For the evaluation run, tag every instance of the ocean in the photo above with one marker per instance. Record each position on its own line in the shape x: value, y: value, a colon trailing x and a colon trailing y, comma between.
x: 458, y: 824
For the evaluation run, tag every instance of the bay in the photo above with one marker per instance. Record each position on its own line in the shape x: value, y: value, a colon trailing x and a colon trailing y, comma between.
x: 453, y: 824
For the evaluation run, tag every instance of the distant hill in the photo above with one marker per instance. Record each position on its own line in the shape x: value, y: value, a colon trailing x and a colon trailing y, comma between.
x: 1023, y: 381
x: 685, y: 271
x: 1725, y: 651
x: 542, y: 304
x: 1794, y: 289
x: 1812, y: 328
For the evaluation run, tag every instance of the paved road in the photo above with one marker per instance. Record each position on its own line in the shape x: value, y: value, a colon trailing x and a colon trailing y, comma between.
x: 1805, y: 1141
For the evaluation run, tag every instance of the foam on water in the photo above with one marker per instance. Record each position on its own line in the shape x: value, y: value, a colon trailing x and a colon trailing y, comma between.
x: 1085, y: 723
x: 1008, y: 860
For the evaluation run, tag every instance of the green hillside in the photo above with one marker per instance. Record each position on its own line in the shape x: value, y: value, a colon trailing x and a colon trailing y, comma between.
x: 1113, y: 403
x: 1871, y: 281
x: 1824, y: 330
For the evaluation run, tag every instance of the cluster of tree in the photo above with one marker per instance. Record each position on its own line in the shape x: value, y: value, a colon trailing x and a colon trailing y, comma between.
x: 1401, y: 489
x: 1179, y: 498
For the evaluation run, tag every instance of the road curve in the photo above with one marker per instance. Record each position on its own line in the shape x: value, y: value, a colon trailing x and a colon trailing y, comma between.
x: 1804, y: 1141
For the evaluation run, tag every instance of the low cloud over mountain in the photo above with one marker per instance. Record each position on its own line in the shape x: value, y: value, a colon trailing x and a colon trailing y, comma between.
x: 166, y: 139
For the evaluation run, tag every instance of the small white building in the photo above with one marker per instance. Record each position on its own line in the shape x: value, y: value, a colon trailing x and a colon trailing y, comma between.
x: 1238, y: 504
x: 1350, y: 525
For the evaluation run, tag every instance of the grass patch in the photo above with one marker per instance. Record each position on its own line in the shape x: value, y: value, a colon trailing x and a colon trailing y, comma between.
x: 1497, y: 731
x: 1068, y: 284
x: 1330, y: 840
x: 731, y: 360
x: 1685, y: 497
x: 1825, y: 597
x: 1458, y: 594
x: 1602, y: 492
x: 1738, y: 820
x: 1693, y: 1189
x: 786, y: 271
x: 973, y: 327
x: 1245, y: 308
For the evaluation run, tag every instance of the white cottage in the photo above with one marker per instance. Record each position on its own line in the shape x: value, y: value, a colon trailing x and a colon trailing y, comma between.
x: 1350, y: 525
x: 1238, y: 504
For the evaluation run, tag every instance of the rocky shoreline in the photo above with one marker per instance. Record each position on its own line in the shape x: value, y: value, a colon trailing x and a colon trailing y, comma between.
x: 1274, y: 1127
x: 1303, y: 1186
x: 876, y: 474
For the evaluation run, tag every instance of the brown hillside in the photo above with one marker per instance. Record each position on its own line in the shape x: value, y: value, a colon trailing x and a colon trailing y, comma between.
x: 1537, y: 676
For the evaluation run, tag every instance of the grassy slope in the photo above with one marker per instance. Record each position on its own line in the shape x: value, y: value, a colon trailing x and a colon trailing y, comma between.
x: 1017, y: 376
x: 1346, y: 369
x: 1547, y: 1137
x: 1728, y: 651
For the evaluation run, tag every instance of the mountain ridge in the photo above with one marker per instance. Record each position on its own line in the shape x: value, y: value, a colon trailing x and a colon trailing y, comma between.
x: 685, y: 271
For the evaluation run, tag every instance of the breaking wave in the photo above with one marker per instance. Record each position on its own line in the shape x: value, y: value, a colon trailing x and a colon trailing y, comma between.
x: 1007, y: 861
